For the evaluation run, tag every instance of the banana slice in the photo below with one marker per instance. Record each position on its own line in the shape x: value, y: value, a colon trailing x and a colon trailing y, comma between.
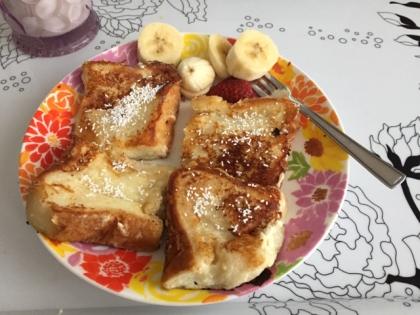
x: 161, y: 42
x: 252, y: 55
x: 191, y: 95
x: 218, y: 49
x: 196, y: 73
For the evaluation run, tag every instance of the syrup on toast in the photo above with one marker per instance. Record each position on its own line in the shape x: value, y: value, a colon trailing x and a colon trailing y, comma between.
x: 250, y: 139
x: 222, y: 231
x: 129, y: 111
x: 89, y: 197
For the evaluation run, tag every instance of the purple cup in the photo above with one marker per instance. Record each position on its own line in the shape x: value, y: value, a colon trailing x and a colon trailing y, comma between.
x: 48, y: 28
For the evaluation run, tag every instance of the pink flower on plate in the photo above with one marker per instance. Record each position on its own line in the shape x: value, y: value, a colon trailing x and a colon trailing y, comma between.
x: 130, y: 51
x: 94, y: 249
x: 109, y: 55
x: 322, y: 191
x: 88, y: 248
x: 74, y: 79
x: 320, y: 195
x: 302, y: 234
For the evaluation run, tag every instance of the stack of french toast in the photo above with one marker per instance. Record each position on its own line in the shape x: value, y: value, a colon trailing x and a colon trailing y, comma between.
x: 222, y: 206
x: 102, y: 190
x: 225, y: 210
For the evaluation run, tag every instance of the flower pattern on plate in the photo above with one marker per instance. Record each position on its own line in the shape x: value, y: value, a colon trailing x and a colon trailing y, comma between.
x: 114, y: 271
x: 48, y: 136
x: 305, y: 91
x: 61, y: 248
x: 321, y: 191
x: 318, y: 197
x: 324, y: 153
x: 27, y: 173
x: 62, y: 98
x: 283, y: 71
x: 195, y: 46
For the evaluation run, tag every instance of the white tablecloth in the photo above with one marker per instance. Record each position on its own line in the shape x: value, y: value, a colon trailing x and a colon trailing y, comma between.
x: 365, y: 55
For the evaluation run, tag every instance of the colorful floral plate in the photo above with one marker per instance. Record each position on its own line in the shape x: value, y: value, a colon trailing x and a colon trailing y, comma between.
x: 315, y: 186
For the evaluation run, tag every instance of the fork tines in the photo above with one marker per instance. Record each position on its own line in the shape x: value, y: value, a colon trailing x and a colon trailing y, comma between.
x: 266, y: 85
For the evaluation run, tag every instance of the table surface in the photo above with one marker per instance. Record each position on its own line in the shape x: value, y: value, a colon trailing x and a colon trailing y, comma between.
x: 365, y: 55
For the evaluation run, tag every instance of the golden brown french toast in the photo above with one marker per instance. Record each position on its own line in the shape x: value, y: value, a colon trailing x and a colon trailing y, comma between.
x: 250, y: 139
x: 89, y: 197
x: 222, y: 231
x: 129, y: 111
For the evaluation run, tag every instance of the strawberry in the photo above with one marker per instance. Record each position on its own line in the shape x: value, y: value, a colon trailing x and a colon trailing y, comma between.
x: 233, y: 90
x: 231, y: 40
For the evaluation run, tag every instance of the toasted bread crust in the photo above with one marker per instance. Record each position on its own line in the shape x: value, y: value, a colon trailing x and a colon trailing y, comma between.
x: 100, y: 226
x: 82, y: 198
x: 250, y: 139
x: 149, y: 134
x: 202, y: 240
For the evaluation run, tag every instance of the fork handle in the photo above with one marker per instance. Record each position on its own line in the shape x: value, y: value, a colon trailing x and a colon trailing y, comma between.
x: 382, y: 170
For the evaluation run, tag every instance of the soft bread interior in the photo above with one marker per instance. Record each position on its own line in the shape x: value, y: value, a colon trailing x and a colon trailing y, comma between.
x: 222, y: 232
x: 90, y: 197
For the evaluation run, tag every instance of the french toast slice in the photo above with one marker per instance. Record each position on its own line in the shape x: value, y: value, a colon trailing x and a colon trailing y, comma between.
x: 129, y: 111
x: 222, y: 231
x: 250, y: 139
x: 89, y: 197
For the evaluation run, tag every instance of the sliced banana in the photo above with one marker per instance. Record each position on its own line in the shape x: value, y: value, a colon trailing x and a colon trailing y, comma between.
x: 219, y: 47
x: 196, y: 73
x: 161, y: 42
x: 252, y: 55
x: 191, y: 95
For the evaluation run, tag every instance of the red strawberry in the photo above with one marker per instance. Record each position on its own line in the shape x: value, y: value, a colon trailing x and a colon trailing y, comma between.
x: 231, y: 40
x: 233, y: 90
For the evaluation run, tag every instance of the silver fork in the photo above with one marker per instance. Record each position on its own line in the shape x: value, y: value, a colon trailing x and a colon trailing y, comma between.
x: 382, y: 170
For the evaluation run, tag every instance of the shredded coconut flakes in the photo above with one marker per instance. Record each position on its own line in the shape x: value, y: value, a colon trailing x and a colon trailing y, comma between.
x: 128, y: 107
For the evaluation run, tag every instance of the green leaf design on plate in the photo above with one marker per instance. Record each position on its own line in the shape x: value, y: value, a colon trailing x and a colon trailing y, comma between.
x: 298, y: 165
x: 282, y: 269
